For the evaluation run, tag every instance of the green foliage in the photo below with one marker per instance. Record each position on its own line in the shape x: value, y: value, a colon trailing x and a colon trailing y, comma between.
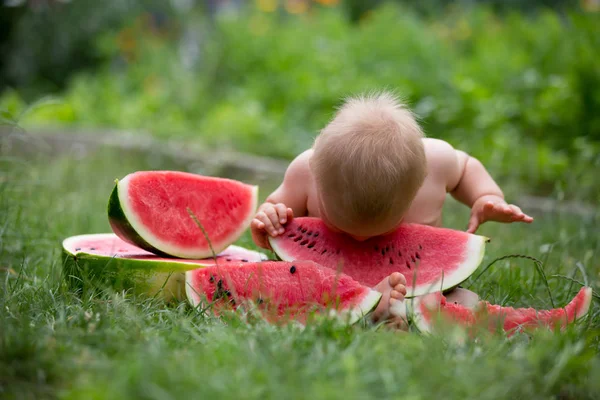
x: 518, y: 92
x: 47, y: 41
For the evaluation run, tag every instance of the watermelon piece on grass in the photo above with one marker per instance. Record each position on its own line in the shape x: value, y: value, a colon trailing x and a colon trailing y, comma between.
x: 150, y: 210
x: 281, y: 290
x: 430, y: 258
x: 105, y: 259
x: 432, y: 311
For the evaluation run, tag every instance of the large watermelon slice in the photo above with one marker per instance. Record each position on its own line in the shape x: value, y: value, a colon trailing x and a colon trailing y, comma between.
x: 282, y: 289
x: 432, y: 309
x: 150, y: 209
x: 105, y: 259
x: 430, y: 258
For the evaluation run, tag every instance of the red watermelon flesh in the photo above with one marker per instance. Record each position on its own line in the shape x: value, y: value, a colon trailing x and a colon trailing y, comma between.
x: 282, y: 289
x: 110, y: 245
x: 150, y: 209
x: 439, y: 258
x: 429, y: 309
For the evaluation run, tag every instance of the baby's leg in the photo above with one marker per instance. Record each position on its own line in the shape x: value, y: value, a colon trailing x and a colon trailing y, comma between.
x: 462, y: 296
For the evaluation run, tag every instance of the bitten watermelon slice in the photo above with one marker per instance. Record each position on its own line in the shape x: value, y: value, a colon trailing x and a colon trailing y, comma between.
x: 105, y: 259
x: 150, y: 209
x: 433, y: 309
x: 430, y: 258
x: 282, y: 290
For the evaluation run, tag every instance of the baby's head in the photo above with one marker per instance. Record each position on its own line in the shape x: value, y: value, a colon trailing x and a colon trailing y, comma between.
x: 368, y: 164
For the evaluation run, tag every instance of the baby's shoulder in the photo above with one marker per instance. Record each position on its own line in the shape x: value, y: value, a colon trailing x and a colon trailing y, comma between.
x: 437, y: 147
x: 439, y: 152
x: 442, y: 161
x: 299, y: 167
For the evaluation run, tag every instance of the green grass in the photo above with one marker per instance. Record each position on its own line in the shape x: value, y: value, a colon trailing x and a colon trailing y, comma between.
x: 112, y: 346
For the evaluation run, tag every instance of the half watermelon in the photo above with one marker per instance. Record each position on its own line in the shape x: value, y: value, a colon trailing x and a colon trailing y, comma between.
x: 430, y: 258
x: 432, y: 311
x: 105, y: 259
x: 151, y: 209
x: 281, y: 290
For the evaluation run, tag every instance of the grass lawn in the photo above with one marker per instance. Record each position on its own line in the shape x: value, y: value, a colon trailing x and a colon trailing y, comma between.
x: 111, y: 346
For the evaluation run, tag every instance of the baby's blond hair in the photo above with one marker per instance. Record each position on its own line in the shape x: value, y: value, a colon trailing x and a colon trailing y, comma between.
x: 369, y: 161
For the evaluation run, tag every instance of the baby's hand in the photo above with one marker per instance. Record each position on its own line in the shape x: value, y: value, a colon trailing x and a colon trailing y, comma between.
x: 494, y: 208
x: 269, y: 220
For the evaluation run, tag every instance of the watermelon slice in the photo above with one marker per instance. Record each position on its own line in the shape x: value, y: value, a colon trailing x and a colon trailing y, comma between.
x: 430, y: 258
x: 106, y: 259
x: 433, y: 308
x: 150, y: 209
x: 282, y: 289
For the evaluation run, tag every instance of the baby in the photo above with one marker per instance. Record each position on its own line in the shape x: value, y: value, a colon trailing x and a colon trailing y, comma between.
x: 371, y: 169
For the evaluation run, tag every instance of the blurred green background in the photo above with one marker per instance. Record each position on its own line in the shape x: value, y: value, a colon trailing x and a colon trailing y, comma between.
x: 514, y: 83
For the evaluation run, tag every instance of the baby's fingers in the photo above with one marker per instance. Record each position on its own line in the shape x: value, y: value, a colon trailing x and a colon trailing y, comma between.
x: 271, y: 213
x: 518, y: 215
x: 282, y: 212
x: 257, y: 224
x: 267, y: 225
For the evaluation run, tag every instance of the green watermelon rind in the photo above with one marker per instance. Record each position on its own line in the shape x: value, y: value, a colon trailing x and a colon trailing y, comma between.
x: 365, y: 307
x: 121, y: 226
x: 127, y: 226
x: 154, y: 278
x: 475, y: 251
x: 411, y: 309
x: 347, y: 316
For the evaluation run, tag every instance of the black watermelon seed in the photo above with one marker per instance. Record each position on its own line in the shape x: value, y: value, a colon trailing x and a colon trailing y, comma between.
x: 219, y: 284
x: 383, y: 252
x: 293, y: 269
x: 316, y: 234
x: 309, y: 233
x: 391, y: 260
x: 407, y: 265
x: 413, y: 258
x: 304, y: 230
x: 418, y: 256
x: 311, y: 244
x: 228, y: 259
x: 299, y: 229
x: 324, y: 251
x: 420, y: 247
x: 77, y: 249
x: 387, y: 248
x: 299, y: 238
x: 376, y: 248
x: 227, y: 293
x: 244, y: 260
x: 291, y: 235
x: 399, y: 254
x: 92, y: 248
x: 260, y: 300
x: 211, y: 279
x: 302, y: 243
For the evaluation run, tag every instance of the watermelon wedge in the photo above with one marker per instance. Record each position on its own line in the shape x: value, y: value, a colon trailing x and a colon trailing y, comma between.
x: 105, y: 259
x: 281, y: 290
x: 430, y: 258
x: 432, y: 309
x: 150, y: 210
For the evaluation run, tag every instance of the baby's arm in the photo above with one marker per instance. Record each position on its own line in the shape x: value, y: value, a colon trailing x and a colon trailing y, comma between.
x: 287, y: 200
x: 471, y: 184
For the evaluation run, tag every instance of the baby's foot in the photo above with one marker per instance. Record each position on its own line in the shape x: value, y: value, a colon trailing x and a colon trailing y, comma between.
x: 393, y: 289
